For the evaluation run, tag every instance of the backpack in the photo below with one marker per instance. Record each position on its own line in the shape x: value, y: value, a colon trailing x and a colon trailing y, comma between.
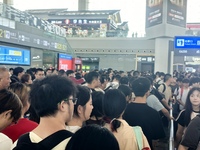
x: 48, y: 143
x: 157, y: 84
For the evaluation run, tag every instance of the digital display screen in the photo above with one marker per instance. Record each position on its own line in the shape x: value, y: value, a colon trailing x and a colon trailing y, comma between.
x: 64, y: 62
x: 14, y: 56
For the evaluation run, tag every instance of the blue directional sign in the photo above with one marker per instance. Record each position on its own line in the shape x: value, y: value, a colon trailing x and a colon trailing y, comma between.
x: 187, y: 42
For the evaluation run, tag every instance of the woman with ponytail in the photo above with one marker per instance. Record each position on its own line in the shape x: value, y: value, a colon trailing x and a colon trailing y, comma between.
x: 114, y: 104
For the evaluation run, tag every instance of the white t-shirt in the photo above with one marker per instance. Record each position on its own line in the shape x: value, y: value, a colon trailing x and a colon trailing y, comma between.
x: 72, y: 129
x: 5, y: 142
x: 182, y: 96
x: 153, y: 102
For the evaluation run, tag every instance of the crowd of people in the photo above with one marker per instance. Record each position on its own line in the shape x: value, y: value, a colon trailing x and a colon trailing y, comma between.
x: 97, y: 110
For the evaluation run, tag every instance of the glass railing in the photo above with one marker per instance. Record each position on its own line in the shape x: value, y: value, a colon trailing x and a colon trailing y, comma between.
x: 100, y: 34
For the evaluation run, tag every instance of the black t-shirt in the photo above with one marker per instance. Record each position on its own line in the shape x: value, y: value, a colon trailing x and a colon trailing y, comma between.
x: 180, y: 119
x: 147, y: 118
x: 192, y: 135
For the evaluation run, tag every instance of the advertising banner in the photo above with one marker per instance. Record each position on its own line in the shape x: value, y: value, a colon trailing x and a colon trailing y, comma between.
x: 154, y: 12
x: 176, y: 12
x: 65, y: 62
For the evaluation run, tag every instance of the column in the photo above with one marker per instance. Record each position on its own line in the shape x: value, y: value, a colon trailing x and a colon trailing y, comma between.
x: 83, y: 4
x: 8, y: 2
x: 162, y: 55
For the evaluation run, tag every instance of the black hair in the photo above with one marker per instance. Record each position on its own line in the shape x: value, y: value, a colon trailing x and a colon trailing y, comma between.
x: 131, y: 81
x: 91, y: 76
x: 150, y: 79
x: 185, y: 80
x: 83, y: 96
x: 10, y: 101
x: 114, y: 104
x: 157, y: 73
x: 188, y: 106
x: 11, y: 69
x: 161, y: 74
x: 167, y: 77
x: 179, y: 79
x: 47, y: 93
x: 18, y: 70
x: 78, y: 75
x: 68, y: 72
x: 125, y: 90
x: 136, y: 73
x: 61, y: 72
x: 124, y: 80
x: 194, y: 80
x: 38, y: 69
x: 116, y: 77
x: 104, y: 78
x: 93, y: 137
x: 97, y: 98
x: 140, y: 86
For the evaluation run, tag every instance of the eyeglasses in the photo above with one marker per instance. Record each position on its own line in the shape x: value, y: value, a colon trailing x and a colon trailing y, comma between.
x: 74, y: 100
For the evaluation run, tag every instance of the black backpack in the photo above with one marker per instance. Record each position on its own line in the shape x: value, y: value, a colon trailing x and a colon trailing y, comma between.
x: 48, y: 143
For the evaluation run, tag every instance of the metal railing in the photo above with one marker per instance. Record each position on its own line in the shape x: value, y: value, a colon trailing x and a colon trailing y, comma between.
x: 171, y: 136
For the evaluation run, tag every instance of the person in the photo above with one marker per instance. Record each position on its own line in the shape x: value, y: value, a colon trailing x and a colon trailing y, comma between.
x: 124, y: 80
x: 104, y: 79
x: 182, y: 93
x: 39, y: 74
x: 93, y: 80
x: 191, y: 137
x: 93, y: 137
x: 97, y: 112
x: 165, y: 89
x: 10, y: 112
x: 23, y: 125
x: 54, y: 71
x: 4, y: 78
x: 82, y: 109
x: 48, y: 71
x: 53, y: 100
x: 71, y: 75
x: 192, y: 108
x: 116, y: 81
x: 114, y: 104
x: 62, y: 73
x: 154, y: 102
x: 194, y: 82
x: 26, y: 79
x: 10, y: 108
x: 126, y: 91
x: 11, y: 71
x: 138, y: 113
x: 17, y: 74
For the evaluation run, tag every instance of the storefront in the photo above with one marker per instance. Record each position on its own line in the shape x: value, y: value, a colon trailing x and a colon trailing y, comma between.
x: 90, y: 63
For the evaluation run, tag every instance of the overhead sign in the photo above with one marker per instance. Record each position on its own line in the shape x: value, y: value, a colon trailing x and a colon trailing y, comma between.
x: 27, y: 39
x: 187, y: 42
x: 187, y: 52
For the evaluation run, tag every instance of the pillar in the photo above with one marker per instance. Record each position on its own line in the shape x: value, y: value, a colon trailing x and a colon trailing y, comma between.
x: 162, y: 55
x: 83, y: 4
